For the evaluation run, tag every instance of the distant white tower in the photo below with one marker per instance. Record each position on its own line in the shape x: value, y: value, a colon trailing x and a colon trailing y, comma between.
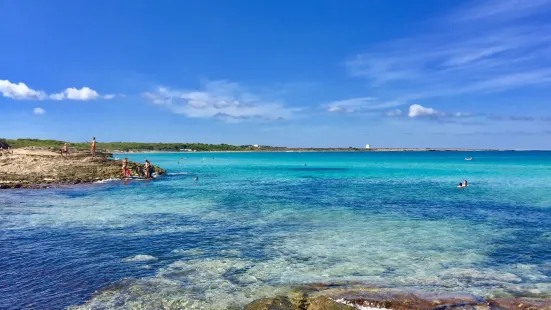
x: 367, y: 146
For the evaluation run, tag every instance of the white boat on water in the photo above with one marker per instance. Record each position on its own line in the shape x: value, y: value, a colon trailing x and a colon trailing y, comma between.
x: 469, y: 158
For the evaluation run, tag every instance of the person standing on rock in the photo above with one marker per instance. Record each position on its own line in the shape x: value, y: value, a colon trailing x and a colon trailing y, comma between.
x: 93, y: 145
x: 65, y: 149
x: 147, y: 169
x: 125, y: 171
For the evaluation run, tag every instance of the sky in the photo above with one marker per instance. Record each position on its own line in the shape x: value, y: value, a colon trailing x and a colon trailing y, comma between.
x: 312, y: 73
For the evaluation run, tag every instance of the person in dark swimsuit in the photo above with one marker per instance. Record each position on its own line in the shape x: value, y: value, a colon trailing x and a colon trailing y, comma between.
x: 147, y: 169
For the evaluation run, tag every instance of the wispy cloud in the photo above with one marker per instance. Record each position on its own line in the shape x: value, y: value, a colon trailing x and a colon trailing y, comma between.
x: 361, y: 104
x: 420, y: 112
x: 396, y: 112
x: 220, y: 99
x: 502, y: 10
x: 38, y: 111
x: 20, y: 91
x: 505, y: 133
x: 463, y: 55
x: 350, y: 105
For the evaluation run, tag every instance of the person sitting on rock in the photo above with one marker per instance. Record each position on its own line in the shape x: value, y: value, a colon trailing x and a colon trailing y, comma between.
x: 65, y: 149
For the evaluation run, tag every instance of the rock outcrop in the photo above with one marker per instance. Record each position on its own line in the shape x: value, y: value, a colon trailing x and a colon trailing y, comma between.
x: 349, y: 297
x: 44, y: 168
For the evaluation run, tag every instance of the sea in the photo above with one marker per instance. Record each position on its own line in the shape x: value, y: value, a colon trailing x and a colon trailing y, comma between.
x: 255, y: 225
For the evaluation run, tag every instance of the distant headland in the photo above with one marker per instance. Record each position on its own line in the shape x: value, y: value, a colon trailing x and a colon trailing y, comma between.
x: 144, y: 147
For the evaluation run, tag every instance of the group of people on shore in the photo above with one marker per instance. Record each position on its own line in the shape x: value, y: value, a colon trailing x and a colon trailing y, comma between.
x: 147, y: 169
x: 65, y: 148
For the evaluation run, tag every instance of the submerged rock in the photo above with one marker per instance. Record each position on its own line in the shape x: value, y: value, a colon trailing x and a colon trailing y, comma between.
x: 520, y: 303
x: 349, y: 297
x: 275, y: 303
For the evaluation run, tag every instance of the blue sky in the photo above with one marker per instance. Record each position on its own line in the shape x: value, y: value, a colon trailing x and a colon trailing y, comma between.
x: 295, y: 73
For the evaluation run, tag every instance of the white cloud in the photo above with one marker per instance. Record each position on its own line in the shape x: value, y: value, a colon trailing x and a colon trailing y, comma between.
x: 219, y: 99
x: 39, y: 111
x: 416, y: 110
x: 82, y: 94
x: 21, y: 91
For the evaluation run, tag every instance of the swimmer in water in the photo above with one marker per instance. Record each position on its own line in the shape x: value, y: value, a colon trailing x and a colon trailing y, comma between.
x: 196, y: 179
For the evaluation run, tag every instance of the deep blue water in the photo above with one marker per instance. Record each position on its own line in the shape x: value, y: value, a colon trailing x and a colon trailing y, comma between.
x: 256, y: 223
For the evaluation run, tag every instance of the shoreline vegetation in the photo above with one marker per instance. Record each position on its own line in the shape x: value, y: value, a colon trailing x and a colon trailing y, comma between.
x: 144, y: 147
x: 44, y: 167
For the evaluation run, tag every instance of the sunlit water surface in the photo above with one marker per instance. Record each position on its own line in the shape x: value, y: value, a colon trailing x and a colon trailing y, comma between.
x: 255, y: 224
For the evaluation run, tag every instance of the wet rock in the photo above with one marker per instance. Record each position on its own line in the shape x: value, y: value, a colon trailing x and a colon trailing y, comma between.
x: 276, y: 303
x: 326, y: 303
x: 300, y: 300
x: 401, y: 299
x: 520, y: 303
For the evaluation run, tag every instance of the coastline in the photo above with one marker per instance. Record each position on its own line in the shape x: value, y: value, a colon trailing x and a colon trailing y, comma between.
x: 328, y: 150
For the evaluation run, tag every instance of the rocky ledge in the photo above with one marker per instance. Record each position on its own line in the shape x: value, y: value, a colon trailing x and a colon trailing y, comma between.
x: 42, y: 168
x: 351, y: 297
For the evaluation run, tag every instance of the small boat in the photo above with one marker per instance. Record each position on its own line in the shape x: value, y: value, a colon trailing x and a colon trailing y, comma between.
x: 469, y: 158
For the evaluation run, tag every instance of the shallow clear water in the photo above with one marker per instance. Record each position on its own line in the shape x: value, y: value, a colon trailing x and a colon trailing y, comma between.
x: 256, y: 223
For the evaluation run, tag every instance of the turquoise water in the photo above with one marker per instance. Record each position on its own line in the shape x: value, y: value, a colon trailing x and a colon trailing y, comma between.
x: 255, y: 224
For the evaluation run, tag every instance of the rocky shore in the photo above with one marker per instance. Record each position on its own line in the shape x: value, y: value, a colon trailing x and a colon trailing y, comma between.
x: 350, y: 297
x: 43, y: 168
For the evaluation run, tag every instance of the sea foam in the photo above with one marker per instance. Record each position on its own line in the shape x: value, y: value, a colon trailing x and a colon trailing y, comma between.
x: 139, y: 258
